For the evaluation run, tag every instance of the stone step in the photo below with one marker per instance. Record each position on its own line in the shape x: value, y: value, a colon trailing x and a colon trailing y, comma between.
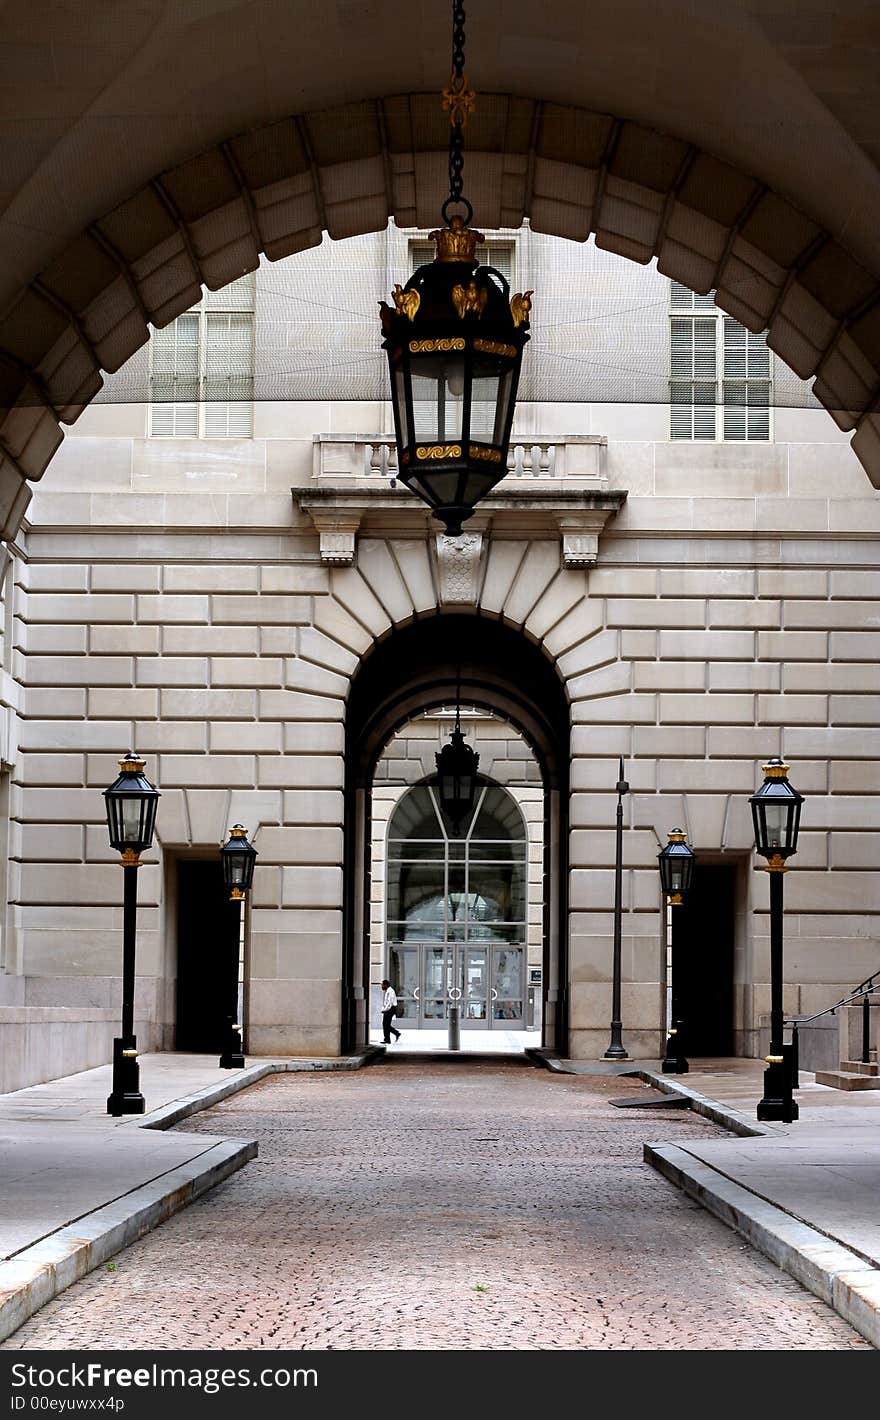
x: 860, y: 1067
x: 847, y: 1080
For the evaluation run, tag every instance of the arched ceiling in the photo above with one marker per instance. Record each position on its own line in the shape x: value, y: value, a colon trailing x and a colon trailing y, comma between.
x: 151, y: 146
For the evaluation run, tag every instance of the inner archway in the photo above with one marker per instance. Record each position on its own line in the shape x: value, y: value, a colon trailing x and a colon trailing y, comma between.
x: 418, y: 668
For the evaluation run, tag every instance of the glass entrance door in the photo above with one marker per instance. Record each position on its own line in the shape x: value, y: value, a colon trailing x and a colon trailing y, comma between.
x: 508, y: 987
x: 487, y: 983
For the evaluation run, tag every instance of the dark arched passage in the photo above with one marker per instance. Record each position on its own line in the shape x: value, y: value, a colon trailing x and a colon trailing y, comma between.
x: 418, y: 667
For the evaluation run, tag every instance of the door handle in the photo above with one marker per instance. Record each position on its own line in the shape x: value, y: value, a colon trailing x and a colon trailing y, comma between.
x: 455, y: 993
x: 494, y: 994
x: 416, y: 996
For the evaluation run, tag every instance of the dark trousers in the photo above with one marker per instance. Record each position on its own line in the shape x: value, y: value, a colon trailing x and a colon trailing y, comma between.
x: 387, y: 1027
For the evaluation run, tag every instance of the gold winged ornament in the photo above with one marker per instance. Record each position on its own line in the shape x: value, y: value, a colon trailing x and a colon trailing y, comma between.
x: 470, y: 298
x: 520, y: 306
x: 407, y: 302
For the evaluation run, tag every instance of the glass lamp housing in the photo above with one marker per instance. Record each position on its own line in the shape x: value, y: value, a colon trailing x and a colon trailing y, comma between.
x: 238, y: 857
x: 676, y: 863
x: 457, y: 766
x: 776, y: 813
x: 454, y: 343
x: 131, y: 803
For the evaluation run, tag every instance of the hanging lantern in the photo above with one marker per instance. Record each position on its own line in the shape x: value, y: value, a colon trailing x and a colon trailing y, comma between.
x: 776, y: 813
x: 238, y: 858
x: 454, y: 340
x: 676, y: 863
x: 457, y: 766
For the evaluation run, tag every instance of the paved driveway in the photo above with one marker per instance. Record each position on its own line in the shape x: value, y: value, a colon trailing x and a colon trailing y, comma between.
x: 442, y: 1204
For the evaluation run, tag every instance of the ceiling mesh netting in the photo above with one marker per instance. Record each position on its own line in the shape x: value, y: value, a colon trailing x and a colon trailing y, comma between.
x: 603, y: 330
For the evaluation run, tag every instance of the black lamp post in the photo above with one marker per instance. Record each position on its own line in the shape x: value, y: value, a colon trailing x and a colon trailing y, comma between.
x: 615, y: 1050
x: 454, y: 340
x: 238, y: 857
x: 676, y: 862
x: 776, y: 812
x: 131, y: 817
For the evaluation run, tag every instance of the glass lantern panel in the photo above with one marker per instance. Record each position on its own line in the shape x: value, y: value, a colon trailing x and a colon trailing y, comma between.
x: 776, y: 819
x: 400, y: 402
x: 236, y: 870
x: 676, y: 875
x: 477, y: 485
x: 503, y: 412
x: 437, y: 391
x: 441, y: 486
x: 131, y: 820
x: 484, y: 402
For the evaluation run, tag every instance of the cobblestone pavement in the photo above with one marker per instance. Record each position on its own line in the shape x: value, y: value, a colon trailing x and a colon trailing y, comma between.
x: 448, y: 1205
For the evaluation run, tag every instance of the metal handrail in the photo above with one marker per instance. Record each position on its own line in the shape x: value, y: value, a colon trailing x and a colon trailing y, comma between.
x: 863, y: 992
x: 865, y: 989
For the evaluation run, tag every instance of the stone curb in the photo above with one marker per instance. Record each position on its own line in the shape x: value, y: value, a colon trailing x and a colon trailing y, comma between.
x: 841, y: 1278
x: 40, y: 1272
x: 729, y: 1119
x: 172, y: 1113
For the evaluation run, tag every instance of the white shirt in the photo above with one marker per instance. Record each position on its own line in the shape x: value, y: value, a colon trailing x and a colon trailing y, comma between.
x: 390, y: 999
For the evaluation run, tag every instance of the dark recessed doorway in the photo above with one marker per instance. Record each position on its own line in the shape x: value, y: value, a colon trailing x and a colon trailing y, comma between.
x: 207, y: 958
x: 703, y: 942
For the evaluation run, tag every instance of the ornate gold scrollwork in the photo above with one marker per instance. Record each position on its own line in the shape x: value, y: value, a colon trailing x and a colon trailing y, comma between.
x: 776, y: 864
x: 520, y: 306
x: 458, y: 99
x: 407, y: 302
x: 424, y: 347
x: 492, y: 347
x: 439, y: 451
x: 470, y: 299
x: 490, y: 455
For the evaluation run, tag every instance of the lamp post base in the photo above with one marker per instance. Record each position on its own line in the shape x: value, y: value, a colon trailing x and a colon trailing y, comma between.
x: 615, y: 1050
x: 233, y: 1056
x: 777, y: 1103
x: 125, y: 1096
x: 674, y: 1062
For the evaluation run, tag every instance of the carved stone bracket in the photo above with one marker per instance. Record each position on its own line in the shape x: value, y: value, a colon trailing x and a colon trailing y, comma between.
x: 340, y: 513
x: 337, y: 531
x: 458, y: 563
x: 580, y: 536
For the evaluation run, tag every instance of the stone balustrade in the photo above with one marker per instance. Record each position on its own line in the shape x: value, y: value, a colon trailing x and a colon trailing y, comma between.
x: 578, y: 459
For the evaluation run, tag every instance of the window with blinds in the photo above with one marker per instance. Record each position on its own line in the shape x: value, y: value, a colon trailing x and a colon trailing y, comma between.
x: 720, y: 375
x: 202, y: 368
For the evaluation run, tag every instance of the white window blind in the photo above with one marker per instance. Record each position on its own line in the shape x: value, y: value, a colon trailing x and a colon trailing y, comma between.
x: 746, y: 383
x: 202, y: 368
x: 720, y: 374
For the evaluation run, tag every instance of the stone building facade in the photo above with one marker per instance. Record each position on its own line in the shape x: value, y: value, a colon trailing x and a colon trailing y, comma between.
x: 219, y: 602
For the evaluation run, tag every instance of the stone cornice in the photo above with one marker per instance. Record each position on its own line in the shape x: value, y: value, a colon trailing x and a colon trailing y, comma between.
x: 578, y: 515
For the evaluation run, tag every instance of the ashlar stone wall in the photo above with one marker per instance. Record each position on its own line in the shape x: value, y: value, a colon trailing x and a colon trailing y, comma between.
x: 732, y: 615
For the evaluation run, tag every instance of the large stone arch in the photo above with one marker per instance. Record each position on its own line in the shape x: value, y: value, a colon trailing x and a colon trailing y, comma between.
x: 422, y: 665
x: 805, y: 275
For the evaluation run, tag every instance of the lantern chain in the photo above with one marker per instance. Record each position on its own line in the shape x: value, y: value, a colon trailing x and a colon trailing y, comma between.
x: 458, y: 99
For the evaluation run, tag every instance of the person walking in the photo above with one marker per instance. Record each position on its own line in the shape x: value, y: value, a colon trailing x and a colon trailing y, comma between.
x: 389, y: 1006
